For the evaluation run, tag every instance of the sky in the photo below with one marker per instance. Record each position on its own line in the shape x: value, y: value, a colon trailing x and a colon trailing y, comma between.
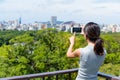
x: 81, y: 11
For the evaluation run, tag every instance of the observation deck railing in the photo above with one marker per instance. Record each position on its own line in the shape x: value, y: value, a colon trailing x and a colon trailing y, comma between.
x: 42, y: 76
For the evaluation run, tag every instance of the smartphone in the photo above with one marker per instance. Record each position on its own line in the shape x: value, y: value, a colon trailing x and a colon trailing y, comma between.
x: 76, y: 29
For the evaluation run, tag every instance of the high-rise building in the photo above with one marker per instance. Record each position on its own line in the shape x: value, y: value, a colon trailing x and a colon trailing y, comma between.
x: 53, y: 21
x: 19, y: 20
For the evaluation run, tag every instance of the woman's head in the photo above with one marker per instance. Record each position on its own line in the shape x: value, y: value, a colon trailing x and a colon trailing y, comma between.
x: 92, y: 33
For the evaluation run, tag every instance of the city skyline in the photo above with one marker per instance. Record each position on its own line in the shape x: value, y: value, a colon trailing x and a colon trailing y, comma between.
x: 100, y: 11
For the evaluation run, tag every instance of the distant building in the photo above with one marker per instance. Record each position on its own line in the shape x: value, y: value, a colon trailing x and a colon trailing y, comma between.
x: 43, y: 26
x: 16, y: 22
x: 66, y: 26
x: 118, y: 28
x: 19, y: 20
x: 111, y: 28
x: 53, y: 21
x: 114, y: 27
x: 1, y: 26
x: 24, y: 27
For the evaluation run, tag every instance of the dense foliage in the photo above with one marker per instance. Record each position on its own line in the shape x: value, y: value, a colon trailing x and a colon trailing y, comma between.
x: 45, y: 50
x: 112, y: 45
x: 5, y: 36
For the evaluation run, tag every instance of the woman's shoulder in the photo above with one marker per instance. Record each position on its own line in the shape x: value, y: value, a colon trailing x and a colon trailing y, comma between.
x: 85, y: 49
x: 88, y: 47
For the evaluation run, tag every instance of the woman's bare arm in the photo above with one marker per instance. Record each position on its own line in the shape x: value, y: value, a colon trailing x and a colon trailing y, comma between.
x: 71, y: 53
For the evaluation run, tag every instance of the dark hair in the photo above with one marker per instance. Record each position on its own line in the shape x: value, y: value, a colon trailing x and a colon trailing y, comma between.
x: 92, y: 31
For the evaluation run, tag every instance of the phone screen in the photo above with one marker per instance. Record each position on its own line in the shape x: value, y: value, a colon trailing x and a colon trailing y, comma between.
x: 77, y: 30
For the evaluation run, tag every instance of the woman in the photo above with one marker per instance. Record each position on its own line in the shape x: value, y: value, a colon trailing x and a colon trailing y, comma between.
x: 91, y: 56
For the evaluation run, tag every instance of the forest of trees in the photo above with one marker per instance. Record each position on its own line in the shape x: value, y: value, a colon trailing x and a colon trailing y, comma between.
x: 29, y: 52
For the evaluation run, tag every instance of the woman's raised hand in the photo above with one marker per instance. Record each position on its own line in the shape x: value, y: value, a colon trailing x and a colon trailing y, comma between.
x: 72, y: 39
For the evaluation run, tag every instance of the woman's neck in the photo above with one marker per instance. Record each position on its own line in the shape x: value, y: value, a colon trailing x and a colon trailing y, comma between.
x: 90, y: 43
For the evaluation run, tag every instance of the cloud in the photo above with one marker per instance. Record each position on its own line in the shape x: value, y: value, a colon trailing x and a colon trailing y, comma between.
x: 107, y: 1
x: 57, y: 6
x: 66, y: 9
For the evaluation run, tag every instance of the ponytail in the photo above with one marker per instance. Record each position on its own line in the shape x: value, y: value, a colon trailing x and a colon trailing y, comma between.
x: 98, y: 47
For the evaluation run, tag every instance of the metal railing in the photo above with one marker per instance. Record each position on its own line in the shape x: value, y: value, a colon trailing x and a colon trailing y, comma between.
x: 56, y: 74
